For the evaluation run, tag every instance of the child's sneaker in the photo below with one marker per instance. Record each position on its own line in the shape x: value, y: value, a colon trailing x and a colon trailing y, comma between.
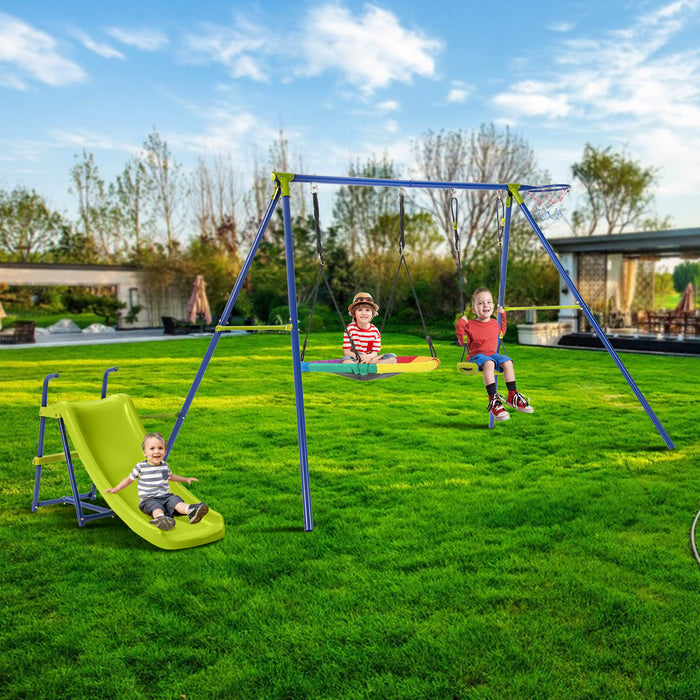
x: 163, y: 522
x: 197, y: 511
x: 519, y: 402
x: 496, y: 408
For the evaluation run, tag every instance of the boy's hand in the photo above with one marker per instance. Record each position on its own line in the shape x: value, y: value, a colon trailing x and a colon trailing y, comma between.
x: 190, y: 479
x: 500, y: 310
x: 110, y: 491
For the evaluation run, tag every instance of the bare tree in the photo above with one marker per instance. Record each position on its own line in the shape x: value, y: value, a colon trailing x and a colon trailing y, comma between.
x: 442, y: 157
x: 167, y: 185
x: 279, y: 159
x: 132, y: 194
x: 487, y: 156
x: 216, y: 200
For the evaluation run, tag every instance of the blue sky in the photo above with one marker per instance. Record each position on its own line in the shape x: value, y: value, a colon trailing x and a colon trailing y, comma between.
x: 347, y: 80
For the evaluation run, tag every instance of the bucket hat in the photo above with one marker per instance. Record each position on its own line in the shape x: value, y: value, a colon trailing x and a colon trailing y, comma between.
x: 362, y: 298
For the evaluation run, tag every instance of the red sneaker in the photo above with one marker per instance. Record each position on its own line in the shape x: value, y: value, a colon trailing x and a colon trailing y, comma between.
x: 496, y: 408
x: 519, y: 402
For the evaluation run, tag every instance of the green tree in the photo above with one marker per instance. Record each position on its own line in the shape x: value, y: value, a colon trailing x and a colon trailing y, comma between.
x: 27, y: 226
x: 617, y: 193
x: 686, y: 272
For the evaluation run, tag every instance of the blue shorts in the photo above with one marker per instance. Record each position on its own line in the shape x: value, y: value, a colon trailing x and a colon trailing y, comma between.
x: 165, y: 503
x: 480, y: 358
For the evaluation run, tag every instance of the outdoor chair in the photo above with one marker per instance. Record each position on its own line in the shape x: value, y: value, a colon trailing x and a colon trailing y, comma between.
x: 171, y: 326
x: 23, y: 332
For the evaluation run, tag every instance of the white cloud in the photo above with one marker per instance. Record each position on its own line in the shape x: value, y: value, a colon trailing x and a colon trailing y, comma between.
x: 534, y: 99
x: 35, y: 54
x: 457, y: 95
x: 144, y: 39
x: 370, y: 51
x: 100, y: 48
x: 388, y: 106
x: 391, y: 126
x: 560, y: 27
x: 235, y: 49
x: 632, y: 75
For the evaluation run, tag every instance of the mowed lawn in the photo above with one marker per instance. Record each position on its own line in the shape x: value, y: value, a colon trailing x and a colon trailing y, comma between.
x: 546, y: 558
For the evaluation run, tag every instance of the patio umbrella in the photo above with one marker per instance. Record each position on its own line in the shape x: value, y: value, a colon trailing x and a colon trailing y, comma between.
x: 687, y: 302
x: 198, y: 304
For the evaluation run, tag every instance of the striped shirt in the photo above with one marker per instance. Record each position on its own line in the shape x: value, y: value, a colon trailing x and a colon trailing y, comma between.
x: 368, y: 340
x: 153, y: 480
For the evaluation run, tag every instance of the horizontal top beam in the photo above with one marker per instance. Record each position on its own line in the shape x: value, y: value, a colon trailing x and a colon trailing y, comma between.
x: 415, y: 184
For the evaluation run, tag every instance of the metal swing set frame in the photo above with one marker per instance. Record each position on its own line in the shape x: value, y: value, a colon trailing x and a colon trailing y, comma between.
x: 511, y: 192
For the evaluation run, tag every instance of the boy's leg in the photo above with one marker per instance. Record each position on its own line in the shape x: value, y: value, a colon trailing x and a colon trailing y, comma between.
x: 162, y: 521
x: 508, y: 371
x: 488, y: 370
x: 388, y: 358
x: 182, y: 508
x: 194, y: 512
x: 514, y: 399
x: 495, y: 406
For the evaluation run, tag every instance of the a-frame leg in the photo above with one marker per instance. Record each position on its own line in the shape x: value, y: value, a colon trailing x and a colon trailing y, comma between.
x: 591, y: 318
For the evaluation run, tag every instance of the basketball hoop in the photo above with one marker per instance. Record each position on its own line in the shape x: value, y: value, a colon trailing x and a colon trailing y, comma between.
x: 548, y: 202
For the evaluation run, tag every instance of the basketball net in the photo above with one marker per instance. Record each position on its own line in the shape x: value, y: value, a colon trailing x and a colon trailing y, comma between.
x: 548, y: 203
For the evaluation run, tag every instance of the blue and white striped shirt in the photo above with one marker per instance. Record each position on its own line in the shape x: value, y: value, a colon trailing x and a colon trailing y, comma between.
x: 153, y: 480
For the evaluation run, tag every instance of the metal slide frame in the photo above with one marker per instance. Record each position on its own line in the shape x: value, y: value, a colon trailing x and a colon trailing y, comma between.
x: 282, y: 191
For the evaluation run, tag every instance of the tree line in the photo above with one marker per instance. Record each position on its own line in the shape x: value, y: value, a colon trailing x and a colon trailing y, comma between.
x: 157, y: 215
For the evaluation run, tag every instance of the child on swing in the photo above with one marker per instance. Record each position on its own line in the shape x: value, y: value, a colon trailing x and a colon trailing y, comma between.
x: 365, y: 335
x: 155, y: 498
x: 481, y: 336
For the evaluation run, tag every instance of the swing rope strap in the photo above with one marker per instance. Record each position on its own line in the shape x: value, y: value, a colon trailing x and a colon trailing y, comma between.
x: 322, y: 275
x: 402, y: 261
x: 454, y: 213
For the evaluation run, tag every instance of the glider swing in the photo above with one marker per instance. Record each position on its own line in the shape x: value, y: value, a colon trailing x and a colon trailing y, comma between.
x: 358, y: 370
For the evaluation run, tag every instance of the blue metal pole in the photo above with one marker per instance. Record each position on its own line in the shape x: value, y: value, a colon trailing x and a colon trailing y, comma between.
x: 224, y: 319
x: 591, y: 319
x: 71, y: 474
x: 502, y: 276
x: 105, y: 380
x: 296, y: 353
x: 42, y: 432
x: 379, y: 182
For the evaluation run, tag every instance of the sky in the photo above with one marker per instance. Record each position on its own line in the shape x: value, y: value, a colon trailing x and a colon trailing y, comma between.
x: 345, y: 81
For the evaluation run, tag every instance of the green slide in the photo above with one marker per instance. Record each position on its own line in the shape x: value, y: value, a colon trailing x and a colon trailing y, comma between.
x: 107, y: 435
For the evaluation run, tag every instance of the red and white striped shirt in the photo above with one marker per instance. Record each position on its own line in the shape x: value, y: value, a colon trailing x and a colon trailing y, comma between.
x: 366, y: 341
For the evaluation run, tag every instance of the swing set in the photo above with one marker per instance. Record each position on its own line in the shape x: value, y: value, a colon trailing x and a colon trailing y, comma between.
x: 115, y: 416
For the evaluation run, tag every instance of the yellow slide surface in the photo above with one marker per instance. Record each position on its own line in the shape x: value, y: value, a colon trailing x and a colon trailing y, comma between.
x: 107, y: 435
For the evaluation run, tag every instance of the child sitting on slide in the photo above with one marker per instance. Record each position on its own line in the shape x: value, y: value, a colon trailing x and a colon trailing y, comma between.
x: 155, y: 498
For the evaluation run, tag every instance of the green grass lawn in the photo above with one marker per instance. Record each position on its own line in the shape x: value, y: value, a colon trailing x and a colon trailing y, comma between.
x: 546, y: 558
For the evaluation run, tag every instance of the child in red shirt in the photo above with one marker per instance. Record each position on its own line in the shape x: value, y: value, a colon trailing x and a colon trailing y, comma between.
x: 481, y: 336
